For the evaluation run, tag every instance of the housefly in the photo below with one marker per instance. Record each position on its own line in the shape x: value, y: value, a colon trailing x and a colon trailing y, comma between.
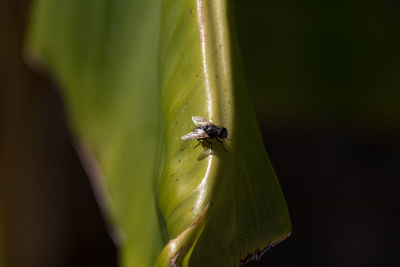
x: 206, y: 130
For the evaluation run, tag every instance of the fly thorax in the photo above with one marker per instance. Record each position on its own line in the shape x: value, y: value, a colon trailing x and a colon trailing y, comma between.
x: 211, y: 130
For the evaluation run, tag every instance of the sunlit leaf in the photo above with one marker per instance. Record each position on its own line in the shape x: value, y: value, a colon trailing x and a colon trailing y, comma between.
x: 231, y: 199
x: 218, y: 207
x: 104, y: 56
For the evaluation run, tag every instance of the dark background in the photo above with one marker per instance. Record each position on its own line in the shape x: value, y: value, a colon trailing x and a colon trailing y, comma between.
x: 325, y: 80
x: 324, y: 77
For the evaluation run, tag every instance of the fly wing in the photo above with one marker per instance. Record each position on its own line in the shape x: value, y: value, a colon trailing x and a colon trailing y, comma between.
x: 200, y: 121
x: 197, y: 133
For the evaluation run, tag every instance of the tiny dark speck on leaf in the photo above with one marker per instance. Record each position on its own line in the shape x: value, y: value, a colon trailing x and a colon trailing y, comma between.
x: 190, y: 11
x: 179, y: 160
x: 177, y: 179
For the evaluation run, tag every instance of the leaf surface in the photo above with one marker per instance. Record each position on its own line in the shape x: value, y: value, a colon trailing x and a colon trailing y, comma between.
x: 103, y: 53
x: 112, y: 62
x: 220, y: 208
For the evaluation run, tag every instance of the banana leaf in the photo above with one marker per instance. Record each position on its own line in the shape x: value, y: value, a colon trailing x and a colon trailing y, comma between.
x: 133, y: 73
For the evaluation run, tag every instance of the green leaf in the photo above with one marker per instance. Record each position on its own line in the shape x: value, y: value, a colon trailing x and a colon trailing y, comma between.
x: 104, y: 56
x: 218, y: 208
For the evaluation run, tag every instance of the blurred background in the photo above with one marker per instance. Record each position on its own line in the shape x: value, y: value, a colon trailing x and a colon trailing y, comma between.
x: 324, y: 77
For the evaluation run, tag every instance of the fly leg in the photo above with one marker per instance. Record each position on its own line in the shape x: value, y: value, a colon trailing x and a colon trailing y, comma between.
x: 204, y: 139
x: 222, y: 143
x: 199, y: 142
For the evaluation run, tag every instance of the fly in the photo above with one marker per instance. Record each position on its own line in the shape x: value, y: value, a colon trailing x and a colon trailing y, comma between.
x: 206, y: 130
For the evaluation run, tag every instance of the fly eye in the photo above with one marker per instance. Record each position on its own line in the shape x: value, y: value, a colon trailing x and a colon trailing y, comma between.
x: 224, y: 133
